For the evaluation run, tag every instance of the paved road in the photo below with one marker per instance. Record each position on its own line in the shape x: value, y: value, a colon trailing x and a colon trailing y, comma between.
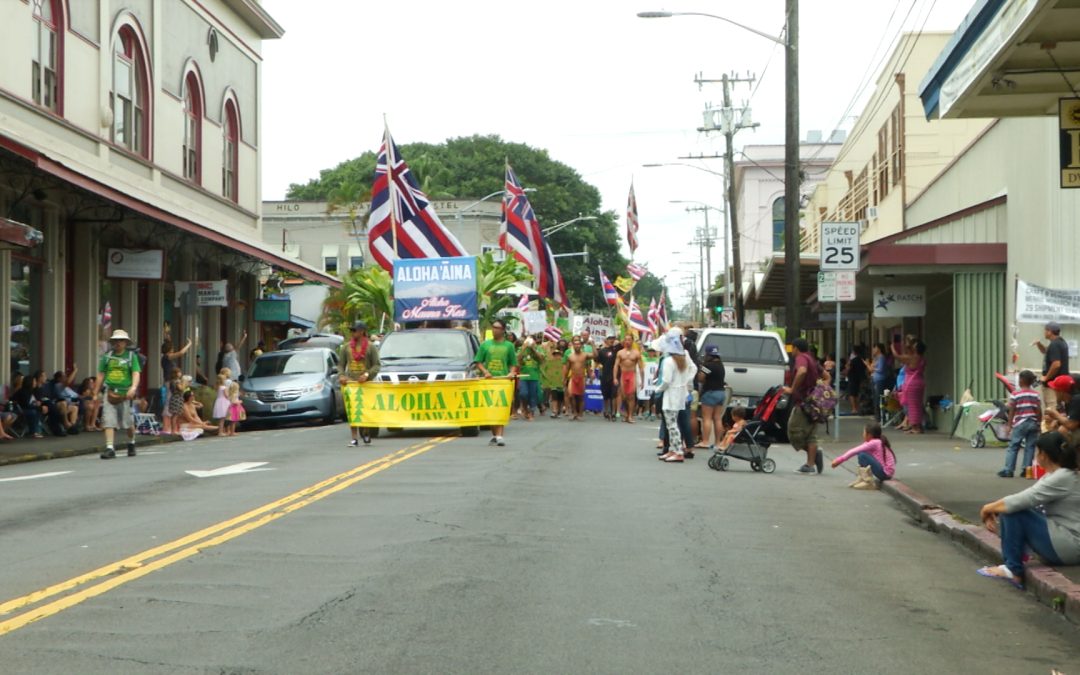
x: 570, y: 550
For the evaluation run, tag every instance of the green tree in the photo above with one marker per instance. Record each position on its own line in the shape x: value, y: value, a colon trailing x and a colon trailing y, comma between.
x: 494, y: 277
x: 366, y: 293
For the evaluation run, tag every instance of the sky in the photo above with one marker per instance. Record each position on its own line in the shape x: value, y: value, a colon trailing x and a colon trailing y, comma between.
x: 600, y: 89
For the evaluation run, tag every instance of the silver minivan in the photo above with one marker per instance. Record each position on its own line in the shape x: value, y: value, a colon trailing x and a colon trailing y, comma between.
x: 296, y: 385
x: 754, y: 360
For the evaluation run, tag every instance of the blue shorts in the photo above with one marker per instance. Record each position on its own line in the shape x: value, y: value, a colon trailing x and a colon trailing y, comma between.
x: 716, y: 397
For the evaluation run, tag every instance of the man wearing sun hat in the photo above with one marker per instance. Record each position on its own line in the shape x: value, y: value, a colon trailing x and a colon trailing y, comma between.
x: 1068, y: 422
x: 119, y: 370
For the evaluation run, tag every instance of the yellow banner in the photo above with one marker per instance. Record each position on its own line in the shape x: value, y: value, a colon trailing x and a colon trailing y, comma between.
x: 419, y: 405
x: 624, y: 284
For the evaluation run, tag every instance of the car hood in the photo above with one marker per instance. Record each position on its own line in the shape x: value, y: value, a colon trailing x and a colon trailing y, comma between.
x: 274, y: 382
x: 413, y: 365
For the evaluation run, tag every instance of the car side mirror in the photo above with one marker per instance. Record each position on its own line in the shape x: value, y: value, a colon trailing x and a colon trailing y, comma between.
x: 334, y: 370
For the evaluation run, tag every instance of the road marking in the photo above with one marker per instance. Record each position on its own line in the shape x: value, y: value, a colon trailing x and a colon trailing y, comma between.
x: 32, y: 477
x: 242, y: 467
x: 110, y: 576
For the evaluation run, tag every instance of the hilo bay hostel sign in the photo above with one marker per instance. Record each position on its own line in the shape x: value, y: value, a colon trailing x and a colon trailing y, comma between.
x: 460, y: 403
x: 435, y: 289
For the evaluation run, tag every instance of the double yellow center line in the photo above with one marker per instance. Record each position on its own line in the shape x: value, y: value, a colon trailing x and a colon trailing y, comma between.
x: 32, y: 606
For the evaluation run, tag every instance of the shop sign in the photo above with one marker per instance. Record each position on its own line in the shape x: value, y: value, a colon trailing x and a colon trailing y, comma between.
x: 1069, y: 140
x: 899, y: 301
x: 1035, y: 304
x: 840, y: 246
x: 201, y: 293
x: 435, y: 289
x: 136, y: 264
x: 599, y: 326
x: 273, y: 311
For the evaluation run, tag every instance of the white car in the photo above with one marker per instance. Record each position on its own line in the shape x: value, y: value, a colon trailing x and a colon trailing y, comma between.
x: 754, y: 361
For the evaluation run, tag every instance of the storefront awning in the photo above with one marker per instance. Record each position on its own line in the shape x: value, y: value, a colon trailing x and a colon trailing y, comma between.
x: 16, y: 235
x: 1009, y: 58
x: 770, y: 288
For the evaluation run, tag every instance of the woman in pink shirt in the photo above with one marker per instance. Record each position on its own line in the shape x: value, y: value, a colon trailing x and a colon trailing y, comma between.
x: 877, y: 461
x: 914, y: 359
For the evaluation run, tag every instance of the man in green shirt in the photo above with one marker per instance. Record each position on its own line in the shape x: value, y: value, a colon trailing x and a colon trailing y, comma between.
x: 119, y: 370
x: 530, y: 359
x: 497, y: 358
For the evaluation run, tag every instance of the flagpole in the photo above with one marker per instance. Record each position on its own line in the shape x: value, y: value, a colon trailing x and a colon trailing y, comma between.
x: 390, y: 183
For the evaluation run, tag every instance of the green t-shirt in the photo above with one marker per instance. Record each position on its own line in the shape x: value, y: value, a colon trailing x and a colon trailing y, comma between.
x: 551, y: 374
x: 530, y: 361
x: 498, y: 357
x: 118, y: 369
x: 585, y: 348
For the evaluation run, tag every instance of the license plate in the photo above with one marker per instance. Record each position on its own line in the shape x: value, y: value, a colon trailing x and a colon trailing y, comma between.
x: 279, y: 407
x: 739, y: 402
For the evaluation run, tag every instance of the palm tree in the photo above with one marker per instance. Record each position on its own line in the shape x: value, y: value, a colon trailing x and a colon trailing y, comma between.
x: 492, y: 277
x: 366, y: 293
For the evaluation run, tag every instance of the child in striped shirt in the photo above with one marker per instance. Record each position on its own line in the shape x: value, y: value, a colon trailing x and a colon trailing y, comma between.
x: 1025, y: 405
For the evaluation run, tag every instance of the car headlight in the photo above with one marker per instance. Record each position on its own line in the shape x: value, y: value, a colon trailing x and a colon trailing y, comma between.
x: 249, y: 396
x: 313, y: 388
x: 456, y: 376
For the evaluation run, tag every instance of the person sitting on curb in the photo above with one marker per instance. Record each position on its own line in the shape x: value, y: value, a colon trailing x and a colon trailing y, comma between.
x: 877, y: 461
x: 1054, y: 532
x: 1067, y: 422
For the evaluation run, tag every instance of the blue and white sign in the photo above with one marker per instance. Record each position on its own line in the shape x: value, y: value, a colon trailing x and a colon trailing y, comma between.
x: 435, y: 289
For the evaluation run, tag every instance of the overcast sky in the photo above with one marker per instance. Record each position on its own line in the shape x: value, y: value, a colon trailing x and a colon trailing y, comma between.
x: 600, y: 89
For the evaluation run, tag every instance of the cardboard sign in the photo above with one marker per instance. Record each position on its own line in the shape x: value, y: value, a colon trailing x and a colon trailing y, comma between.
x: 534, y: 321
x: 435, y: 289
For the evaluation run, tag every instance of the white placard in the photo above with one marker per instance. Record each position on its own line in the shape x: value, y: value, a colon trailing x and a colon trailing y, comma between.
x: 599, y: 326
x: 899, y: 301
x: 534, y: 321
x: 840, y: 246
x: 1035, y: 304
x: 845, y: 286
x: 826, y: 286
x: 135, y: 264
x: 207, y: 293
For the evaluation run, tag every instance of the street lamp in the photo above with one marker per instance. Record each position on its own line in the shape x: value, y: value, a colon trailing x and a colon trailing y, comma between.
x: 790, y: 42
x: 654, y: 165
x: 478, y: 202
x: 565, y: 224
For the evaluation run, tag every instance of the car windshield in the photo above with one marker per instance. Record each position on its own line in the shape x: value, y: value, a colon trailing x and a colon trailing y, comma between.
x: 424, y: 345
x: 290, y: 363
x: 746, y: 348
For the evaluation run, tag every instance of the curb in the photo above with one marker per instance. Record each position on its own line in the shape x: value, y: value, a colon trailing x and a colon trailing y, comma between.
x: 140, y: 441
x: 1044, y: 582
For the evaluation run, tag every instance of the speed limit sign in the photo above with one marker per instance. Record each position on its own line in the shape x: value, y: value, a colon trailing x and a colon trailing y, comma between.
x: 839, y: 246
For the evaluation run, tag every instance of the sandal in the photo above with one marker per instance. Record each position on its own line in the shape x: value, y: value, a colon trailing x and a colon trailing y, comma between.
x: 1001, y: 572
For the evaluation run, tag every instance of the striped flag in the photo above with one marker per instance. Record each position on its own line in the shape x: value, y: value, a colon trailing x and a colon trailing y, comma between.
x: 553, y: 333
x: 106, y: 315
x: 636, y: 271
x: 523, y: 303
x: 636, y: 318
x: 661, y: 313
x: 610, y: 294
x: 653, y: 317
x: 403, y: 224
x: 520, y: 236
x: 631, y: 221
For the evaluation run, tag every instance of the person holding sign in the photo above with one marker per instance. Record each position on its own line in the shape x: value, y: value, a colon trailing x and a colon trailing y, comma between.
x: 359, y: 359
x: 497, y: 358
x: 120, y: 371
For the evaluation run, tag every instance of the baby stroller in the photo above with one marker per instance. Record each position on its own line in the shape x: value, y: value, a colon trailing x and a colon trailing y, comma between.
x: 997, y: 421
x: 767, y: 425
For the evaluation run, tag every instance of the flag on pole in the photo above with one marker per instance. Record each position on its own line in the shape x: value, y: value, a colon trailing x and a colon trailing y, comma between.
x: 624, y: 284
x: 106, y: 315
x: 661, y: 313
x: 636, y: 272
x: 520, y: 236
x: 553, y: 333
x: 610, y: 294
x: 653, y: 317
x: 631, y: 221
x: 403, y: 224
x: 523, y: 303
x: 636, y: 318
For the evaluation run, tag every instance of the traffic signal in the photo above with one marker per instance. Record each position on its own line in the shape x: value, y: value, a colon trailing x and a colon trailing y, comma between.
x: 719, y: 310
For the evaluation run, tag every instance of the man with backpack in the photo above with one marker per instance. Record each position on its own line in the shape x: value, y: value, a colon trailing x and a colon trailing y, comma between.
x: 120, y: 370
x: 801, y: 428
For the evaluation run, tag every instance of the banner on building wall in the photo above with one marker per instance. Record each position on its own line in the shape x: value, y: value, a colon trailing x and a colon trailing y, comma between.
x: 899, y: 301
x: 435, y: 289
x: 135, y: 264
x: 1069, y: 139
x: 599, y: 326
x: 191, y: 294
x: 460, y: 403
x: 1035, y: 304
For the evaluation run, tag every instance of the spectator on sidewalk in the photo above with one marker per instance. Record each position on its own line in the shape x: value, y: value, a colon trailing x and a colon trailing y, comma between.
x: 1045, y: 517
x: 1055, y: 362
x: 1065, y: 416
x: 913, y: 357
x: 1024, y: 407
x: 30, y: 408
x: 91, y: 406
x: 802, y: 432
x: 877, y: 461
x: 880, y: 376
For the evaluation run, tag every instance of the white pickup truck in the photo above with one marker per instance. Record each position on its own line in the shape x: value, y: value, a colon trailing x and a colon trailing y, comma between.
x: 754, y: 361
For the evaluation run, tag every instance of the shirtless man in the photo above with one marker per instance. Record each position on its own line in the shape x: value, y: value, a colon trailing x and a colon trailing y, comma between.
x: 577, y: 363
x: 628, y: 367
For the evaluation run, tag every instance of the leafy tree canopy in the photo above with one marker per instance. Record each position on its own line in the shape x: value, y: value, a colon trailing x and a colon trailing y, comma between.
x: 472, y: 167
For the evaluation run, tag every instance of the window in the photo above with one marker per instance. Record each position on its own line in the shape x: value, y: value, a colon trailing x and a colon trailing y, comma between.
x: 231, y: 159
x: 46, y: 46
x: 356, y: 257
x: 330, y: 258
x: 192, y: 128
x: 778, y: 224
x: 896, y: 152
x: 129, y: 93
x: 881, y: 161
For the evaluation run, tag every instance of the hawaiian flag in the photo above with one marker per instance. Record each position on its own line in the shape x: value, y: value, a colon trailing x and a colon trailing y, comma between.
x: 106, y: 315
x: 553, y: 333
x: 631, y: 221
x: 403, y: 224
x: 661, y: 313
x: 636, y: 271
x: 636, y: 318
x: 611, y: 295
x: 520, y: 236
x: 654, y: 317
x: 523, y: 303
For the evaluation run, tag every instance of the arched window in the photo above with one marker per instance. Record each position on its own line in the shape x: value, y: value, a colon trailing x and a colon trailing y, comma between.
x: 48, y: 34
x: 130, y: 93
x: 778, y: 224
x: 231, y: 159
x: 193, y: 114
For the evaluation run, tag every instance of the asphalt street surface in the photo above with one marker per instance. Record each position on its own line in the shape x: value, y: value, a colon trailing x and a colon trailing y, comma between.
x: 570, y: 550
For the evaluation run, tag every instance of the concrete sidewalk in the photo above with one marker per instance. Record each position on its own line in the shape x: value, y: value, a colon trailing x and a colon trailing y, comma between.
x: 943, y: 482
x: 86, y: 443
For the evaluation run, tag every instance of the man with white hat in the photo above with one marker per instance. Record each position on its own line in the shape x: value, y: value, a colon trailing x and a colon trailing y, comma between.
x: 119, y: 370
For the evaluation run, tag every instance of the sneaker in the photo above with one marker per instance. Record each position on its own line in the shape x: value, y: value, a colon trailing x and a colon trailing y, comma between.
x: 131, y: 449
x: 806, y: 469
x: 109, y: 453
x: 499, y: 441
x: 1005, y: 473
x: 819, y: 462
x: 366, y: 437
x: 354, y: 443
x: 494, y: 440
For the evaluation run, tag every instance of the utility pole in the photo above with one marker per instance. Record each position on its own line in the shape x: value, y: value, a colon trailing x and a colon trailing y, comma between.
x: 704, y: 238
x: 729, y: 125
x: 793, y: 294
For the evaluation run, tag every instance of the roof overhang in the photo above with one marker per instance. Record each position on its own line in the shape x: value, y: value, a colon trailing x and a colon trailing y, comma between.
x: 15, y: 235
x: 933, y: 255
x: 1009, y: 58
x: 770, y: 290
x: 257, y: 17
